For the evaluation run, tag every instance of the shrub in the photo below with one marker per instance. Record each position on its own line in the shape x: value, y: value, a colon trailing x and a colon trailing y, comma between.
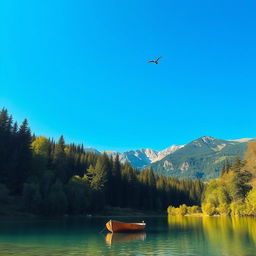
x: 238, y: 208
x: 224, y: 209
x: 208, y: 209
x: 182, y: 210
x: 194, y: 209
x: 32, y: 197
x: 250, y: 203
x: 172, y: 210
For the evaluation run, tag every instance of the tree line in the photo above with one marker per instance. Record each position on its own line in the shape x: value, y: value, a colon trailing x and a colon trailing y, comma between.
x: 233, y: 193
x: 55, y: 178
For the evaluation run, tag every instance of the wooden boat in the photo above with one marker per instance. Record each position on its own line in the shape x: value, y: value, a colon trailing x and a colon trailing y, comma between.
x: 113, y: 238
x: 117, y: 226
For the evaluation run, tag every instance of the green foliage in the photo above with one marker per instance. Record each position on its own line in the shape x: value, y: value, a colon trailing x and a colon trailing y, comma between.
x: 238, y: 184
x: 78, y: 195
x: 32, y: 197
x: 56, y: 201
x: 46, y: 180
x: 41, y: 146
x: 172, y: 210
x: 41, y: 150
x: 237, y: 208
x: 116, y: 182
x: 224, y: 209
x: 226, y: 167
x: 231, y: 194
x: 194, y: 209
x: 237, y: 164
x: 58, y: 178
x: 182, y: 210
x: 250, y: 203
x: 98, y: 175
x: 131, y: 189
x: 15, y: 152
x: 208, y: 209
x: 60, y: 160
x: 216, y: 193
x: 4, y: 193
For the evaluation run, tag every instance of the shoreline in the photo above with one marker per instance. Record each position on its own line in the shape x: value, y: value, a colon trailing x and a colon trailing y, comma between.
x: 107, y: 212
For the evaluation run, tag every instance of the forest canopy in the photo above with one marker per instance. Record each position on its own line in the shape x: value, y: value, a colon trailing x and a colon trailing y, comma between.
x: 233, y: 193
x: 47, y: 177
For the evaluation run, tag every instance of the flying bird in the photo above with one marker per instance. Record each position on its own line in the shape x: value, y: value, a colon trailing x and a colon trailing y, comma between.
x: 156, y: 61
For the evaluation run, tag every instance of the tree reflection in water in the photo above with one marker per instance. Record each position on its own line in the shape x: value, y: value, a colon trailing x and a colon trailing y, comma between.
x: 229, y: 233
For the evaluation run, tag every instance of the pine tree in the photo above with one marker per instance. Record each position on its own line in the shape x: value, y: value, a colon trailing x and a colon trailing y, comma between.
x: 237, y: 164
x: 23, y: 168
x: 60, y: 160
x: 98, y: 175
x: 116, y: 183
x: 130, y: 187
x: 108, y: 181
x: 5, y: 145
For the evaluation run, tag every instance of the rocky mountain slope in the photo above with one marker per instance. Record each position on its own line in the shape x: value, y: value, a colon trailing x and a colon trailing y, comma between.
x: 142, y: 157
x: 201, y: 158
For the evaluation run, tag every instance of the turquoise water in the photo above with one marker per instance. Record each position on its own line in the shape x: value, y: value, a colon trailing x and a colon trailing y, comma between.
x: 163, y: 236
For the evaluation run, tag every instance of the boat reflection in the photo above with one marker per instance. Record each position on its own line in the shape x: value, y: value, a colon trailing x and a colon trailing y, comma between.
x: 112, y: 238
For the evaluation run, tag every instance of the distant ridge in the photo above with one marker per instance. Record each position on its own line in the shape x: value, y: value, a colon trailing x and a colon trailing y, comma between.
x: 142, y: 157
x: 201, y: 158
x: 243, y: 140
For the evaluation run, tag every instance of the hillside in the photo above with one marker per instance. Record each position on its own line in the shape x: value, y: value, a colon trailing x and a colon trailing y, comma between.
x: 140, y: 158
x: 201, y: 158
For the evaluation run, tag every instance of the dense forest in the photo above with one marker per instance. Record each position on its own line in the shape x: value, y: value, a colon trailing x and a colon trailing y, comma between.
x: 233, y: 193
x: 44, y: 177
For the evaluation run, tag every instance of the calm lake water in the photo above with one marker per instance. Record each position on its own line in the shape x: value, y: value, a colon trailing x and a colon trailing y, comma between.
x: 163, y: 236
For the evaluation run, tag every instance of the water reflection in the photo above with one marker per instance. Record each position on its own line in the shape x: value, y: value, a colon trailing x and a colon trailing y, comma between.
x: 112, y: 238
x: 232, y: 234
x: 175, y: 236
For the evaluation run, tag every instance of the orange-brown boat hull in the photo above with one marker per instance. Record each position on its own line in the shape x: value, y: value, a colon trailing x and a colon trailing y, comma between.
x: 117, y: 226
x: 113, y: 238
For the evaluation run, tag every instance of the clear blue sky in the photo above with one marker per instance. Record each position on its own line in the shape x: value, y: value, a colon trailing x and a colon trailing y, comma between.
x: 79, y: 68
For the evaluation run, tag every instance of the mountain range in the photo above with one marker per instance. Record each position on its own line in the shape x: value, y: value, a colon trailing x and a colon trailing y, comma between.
x: 202, y: 158
x: 140, y: 158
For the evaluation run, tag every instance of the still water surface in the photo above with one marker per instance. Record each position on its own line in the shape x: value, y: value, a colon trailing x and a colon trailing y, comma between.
x: 163, y: 236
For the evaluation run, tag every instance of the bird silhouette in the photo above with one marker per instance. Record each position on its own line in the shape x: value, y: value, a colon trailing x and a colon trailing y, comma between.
x: 156, y: 60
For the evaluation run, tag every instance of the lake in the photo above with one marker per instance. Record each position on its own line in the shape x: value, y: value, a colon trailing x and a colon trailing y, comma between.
x: 164, y: 236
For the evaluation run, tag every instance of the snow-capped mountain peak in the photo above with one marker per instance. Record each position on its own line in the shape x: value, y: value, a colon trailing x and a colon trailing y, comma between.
x: 141, y: 157
x: 167, y: 151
